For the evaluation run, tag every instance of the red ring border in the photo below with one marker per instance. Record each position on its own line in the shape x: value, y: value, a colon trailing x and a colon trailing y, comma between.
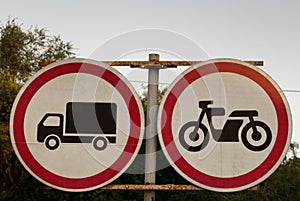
x: 76, y: 183
x: 213, y: 181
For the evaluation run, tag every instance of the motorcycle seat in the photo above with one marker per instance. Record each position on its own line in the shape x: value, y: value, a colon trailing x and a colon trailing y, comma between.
x: 244, y: 113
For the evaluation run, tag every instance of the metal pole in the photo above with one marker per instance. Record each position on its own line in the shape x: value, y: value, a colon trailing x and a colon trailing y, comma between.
x: 151, y: 130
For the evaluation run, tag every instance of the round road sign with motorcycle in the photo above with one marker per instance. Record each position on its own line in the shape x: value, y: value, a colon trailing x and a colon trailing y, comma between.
x: 224, y: 125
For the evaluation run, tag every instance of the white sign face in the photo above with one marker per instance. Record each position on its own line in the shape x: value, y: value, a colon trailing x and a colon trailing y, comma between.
x: 224, y: 125
x: 77, y: 125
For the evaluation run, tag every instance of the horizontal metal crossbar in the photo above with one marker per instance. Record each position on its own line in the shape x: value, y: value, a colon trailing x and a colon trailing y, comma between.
x: 164, y: 64
x: 167, y: 64
x: 155, y: 187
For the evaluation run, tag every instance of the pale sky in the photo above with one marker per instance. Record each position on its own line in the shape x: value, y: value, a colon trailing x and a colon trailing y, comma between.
x: 246, y: 30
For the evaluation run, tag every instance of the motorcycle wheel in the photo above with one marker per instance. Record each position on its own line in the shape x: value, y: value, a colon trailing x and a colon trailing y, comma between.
x: 193, y: 136
x: 256, y: 136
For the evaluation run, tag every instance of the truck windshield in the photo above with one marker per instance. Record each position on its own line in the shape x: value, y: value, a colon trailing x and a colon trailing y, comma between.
x: 51, y: 121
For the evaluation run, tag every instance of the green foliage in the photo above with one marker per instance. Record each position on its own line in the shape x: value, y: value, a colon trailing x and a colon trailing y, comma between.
x: 8, y: 92
x: 20, y: 54
x: 285, y: 182
x: 21, y: 51
x: 144, y: 97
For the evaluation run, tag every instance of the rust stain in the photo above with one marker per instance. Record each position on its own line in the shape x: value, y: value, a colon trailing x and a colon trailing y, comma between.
x: 162, y: 64
x: 150, y: 187
x: 157, y: 187
x: 165, y: 64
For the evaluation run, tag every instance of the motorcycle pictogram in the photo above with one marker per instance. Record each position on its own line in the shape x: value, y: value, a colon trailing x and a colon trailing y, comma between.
x: 196, y: 130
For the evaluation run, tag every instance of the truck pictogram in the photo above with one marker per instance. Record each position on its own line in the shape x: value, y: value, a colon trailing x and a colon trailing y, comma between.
x: 83, y: 122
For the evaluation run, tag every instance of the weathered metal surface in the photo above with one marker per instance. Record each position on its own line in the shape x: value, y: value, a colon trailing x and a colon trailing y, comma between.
x: 156, y: 187
x: 150, y: 187
x: 164, y: 64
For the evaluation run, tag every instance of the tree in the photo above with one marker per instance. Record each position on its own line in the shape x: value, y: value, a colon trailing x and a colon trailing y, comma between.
x: 20, y: 54
x: 21, y: 51
x: 285, y: 182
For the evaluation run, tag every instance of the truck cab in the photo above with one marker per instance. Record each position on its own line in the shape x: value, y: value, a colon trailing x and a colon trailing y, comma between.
x: 50, y: 130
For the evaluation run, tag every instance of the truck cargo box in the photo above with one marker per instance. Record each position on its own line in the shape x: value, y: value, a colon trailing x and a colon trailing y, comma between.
x: 91, y: 118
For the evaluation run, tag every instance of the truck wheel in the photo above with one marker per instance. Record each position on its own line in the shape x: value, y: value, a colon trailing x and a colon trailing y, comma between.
x: 100, y: 143
x: 52, y: 142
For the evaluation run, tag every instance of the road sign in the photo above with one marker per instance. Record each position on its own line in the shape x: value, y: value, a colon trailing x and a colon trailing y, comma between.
x: 77, y: 125
x: 224, y: 125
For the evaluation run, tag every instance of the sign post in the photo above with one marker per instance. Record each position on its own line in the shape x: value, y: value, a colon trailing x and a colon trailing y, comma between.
x: 151, y: 130
x: 224, y: 125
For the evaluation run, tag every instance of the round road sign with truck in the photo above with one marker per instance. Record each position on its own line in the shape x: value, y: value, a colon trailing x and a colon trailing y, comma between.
x: 224, y: 125
x: 77, y: 125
